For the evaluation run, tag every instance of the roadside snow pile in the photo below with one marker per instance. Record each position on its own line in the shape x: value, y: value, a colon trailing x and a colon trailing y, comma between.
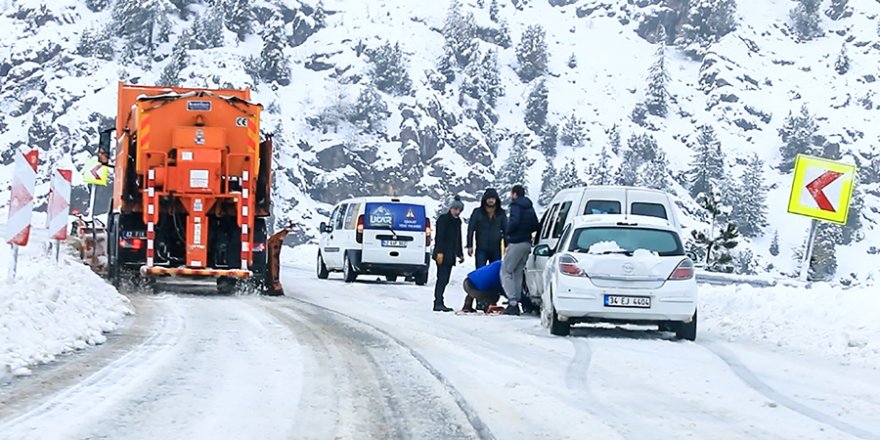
x: 823, y: 321
x: 52, y: 309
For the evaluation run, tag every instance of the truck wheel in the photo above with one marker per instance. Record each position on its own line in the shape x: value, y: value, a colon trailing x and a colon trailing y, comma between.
x: 687, y: 330
x: 348, y: 272
x: 323, y: 273
x: 114, y: 266
x: 225, y: 285
x: 421, y: 278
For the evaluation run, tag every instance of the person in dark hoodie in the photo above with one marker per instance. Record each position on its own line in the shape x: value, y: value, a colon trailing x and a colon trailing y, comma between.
x: 522, y: 224
x: 447, y: 249
x: 489, y: 224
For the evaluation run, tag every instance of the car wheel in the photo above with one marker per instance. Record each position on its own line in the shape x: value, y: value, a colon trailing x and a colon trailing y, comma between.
x: 323, y: 273
x: 391, y: 278
x: 421, y: 278
x: 348, y: 272
x: 687, y: 330
x: 557, y: 327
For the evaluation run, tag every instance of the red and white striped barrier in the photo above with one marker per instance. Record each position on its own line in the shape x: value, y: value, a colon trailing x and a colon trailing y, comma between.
x: 59, y: 203
x: 21, y: 205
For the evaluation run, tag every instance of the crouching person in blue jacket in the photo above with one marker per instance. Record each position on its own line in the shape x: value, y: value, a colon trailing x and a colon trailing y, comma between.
x: 484, y: 285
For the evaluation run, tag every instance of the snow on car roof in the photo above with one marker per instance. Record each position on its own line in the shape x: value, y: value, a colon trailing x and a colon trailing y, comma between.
x: 614, y: 219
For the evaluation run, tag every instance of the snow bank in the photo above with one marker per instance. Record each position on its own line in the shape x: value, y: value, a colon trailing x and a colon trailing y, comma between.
x: 50, y: 309
x: 823, y: 321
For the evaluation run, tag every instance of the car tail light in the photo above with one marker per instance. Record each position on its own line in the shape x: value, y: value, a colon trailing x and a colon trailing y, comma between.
x: 427, y: 232
x: 568, y: 266
x: 360, y: 229
x: 134, y: 244
x: 683, y: 272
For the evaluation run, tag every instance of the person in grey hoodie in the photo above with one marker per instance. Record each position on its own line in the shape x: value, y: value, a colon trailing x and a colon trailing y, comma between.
x: 523, y: 222
x: 488, y: 223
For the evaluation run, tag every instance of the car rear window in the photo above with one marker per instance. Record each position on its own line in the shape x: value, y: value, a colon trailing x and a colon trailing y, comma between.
x: 664, y: 243
x: 400, y: 216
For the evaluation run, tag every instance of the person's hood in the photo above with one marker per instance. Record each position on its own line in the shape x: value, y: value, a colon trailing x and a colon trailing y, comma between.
x: 522, y: 202
x: 489, y: 194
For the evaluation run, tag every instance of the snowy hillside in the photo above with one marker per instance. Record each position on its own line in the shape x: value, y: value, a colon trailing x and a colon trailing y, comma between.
x: 433, y: 99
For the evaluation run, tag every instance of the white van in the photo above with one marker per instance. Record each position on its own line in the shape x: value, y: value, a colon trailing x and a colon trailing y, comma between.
x: 378, y: 236
x: 593, y: 200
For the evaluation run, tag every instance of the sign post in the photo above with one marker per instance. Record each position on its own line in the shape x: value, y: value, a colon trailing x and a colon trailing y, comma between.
x: 821, y: 190
x: 21, y: 204
x: 94, y: 174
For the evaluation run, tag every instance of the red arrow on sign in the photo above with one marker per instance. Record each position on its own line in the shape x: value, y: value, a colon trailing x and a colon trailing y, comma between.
x: 95, y: 171
x: 817, y: 186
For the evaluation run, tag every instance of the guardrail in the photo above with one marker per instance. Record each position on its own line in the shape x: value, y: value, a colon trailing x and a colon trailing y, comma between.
x: 724, y: 279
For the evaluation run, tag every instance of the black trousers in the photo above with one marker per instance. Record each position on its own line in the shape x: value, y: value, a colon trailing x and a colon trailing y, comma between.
x: 444, y: 271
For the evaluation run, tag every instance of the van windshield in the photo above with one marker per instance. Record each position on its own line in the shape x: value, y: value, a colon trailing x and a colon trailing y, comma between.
x: 399, y: 216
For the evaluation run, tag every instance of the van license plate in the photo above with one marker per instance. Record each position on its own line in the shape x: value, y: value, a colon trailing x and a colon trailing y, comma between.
x: 394, y: 243
x: 643, y: 302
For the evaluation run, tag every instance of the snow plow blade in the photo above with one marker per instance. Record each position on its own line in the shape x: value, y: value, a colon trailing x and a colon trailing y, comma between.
x: 273, y: 274
x: 157, y: 271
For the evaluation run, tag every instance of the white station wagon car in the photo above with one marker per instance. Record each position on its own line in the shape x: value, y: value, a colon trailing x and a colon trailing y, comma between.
x: 619, y: 269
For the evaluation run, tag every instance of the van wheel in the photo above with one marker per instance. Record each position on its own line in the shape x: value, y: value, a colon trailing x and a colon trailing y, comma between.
x: 323, y: 273
x: 348, y: 272
x: 687, y: 330
x: 391, y: 278
x: 421, y: 278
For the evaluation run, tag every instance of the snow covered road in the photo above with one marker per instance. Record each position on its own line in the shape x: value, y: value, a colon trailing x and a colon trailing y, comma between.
x: 369, y: 360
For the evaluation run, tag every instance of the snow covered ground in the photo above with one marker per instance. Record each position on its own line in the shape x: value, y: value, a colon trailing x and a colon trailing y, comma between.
x: 51, y: 308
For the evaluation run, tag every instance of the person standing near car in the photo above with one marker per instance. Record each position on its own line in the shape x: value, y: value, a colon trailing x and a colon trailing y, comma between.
x: 522, y: 223
x: 489, y: 223
x: 447, y: 249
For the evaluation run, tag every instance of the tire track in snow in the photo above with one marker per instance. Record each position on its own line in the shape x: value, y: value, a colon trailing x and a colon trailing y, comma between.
x: 91, y: 395
x: 480, y: 427
x: 753, y: 381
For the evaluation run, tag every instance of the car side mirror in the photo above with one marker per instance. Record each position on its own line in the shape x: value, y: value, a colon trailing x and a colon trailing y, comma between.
x: 325, y: 228
x: 543, y: 250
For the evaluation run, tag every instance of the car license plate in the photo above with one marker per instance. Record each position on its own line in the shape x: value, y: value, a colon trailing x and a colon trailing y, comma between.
x: 394, y: 243
x: 628, y: 301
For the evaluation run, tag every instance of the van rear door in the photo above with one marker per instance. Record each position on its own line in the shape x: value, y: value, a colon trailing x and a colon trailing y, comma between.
x: 651, y: 204
x: 394, y: 233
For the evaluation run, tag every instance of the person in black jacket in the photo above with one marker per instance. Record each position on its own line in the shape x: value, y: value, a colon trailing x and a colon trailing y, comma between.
x: 447, y: 249
x: 489, y: 224
x: 522, y: 224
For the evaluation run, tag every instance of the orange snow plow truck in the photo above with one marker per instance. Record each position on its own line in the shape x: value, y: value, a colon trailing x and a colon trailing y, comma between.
x: 192, y: 188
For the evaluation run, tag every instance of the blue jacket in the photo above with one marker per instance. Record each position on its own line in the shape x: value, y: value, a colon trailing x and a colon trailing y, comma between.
x: 523, y: 221
x: 487, y: 278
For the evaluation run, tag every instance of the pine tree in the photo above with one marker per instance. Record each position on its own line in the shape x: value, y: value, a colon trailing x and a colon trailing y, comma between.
x: 750, y: 205
x: 614, y: 139
x: 502, y: 37
x: 572, y: 61
x: 98, y: 44
x: 657, y: 99
x: 823, y: 264
x: 389, y: 69
x: 568, y: 177
x: 720, y: 239
x: 320, y: 16
x: 207, y: 31
x: 841, y: 66
x: 135, y: 21
x: 549, y: 180
x: 837, y: 9
x: 370, y: 108
x: 744, y: 263
x: 774, y: 244
x: 531, y: 53
x: 852, y: 231
x: 805, y: 17
x: 536, y: 108
x: 655, y: 174
x: 574, y: 132
x: 86, y: 45
x: 238, y: 16
x: 494, y: 10
x: 274, y: 65
x: 483, y: 80
x: 643, y: 147
x: 707, y: 166
x: 797, y: 135
x: 179, y: 56
x: 459, y: 32
x: 601, y: 173
x: 97, y: 5
x: 549, y: 141
x: 707, y: 22
x: 446, y: 67
x: 513, y: 171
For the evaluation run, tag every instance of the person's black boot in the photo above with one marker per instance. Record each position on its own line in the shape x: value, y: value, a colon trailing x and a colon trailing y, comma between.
x: 512, y: 310
x: 441, y: 308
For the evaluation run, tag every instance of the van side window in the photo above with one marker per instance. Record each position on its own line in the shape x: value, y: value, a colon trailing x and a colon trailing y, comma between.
x: 602, y: 207
x: 548, y: 226
x: 333, y: 216
x: 649, y: 209
x: 340, y: 215
x: 566, y: 234
x: 544, y: 220
x: 351, y: 217
x: 560, y: 219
